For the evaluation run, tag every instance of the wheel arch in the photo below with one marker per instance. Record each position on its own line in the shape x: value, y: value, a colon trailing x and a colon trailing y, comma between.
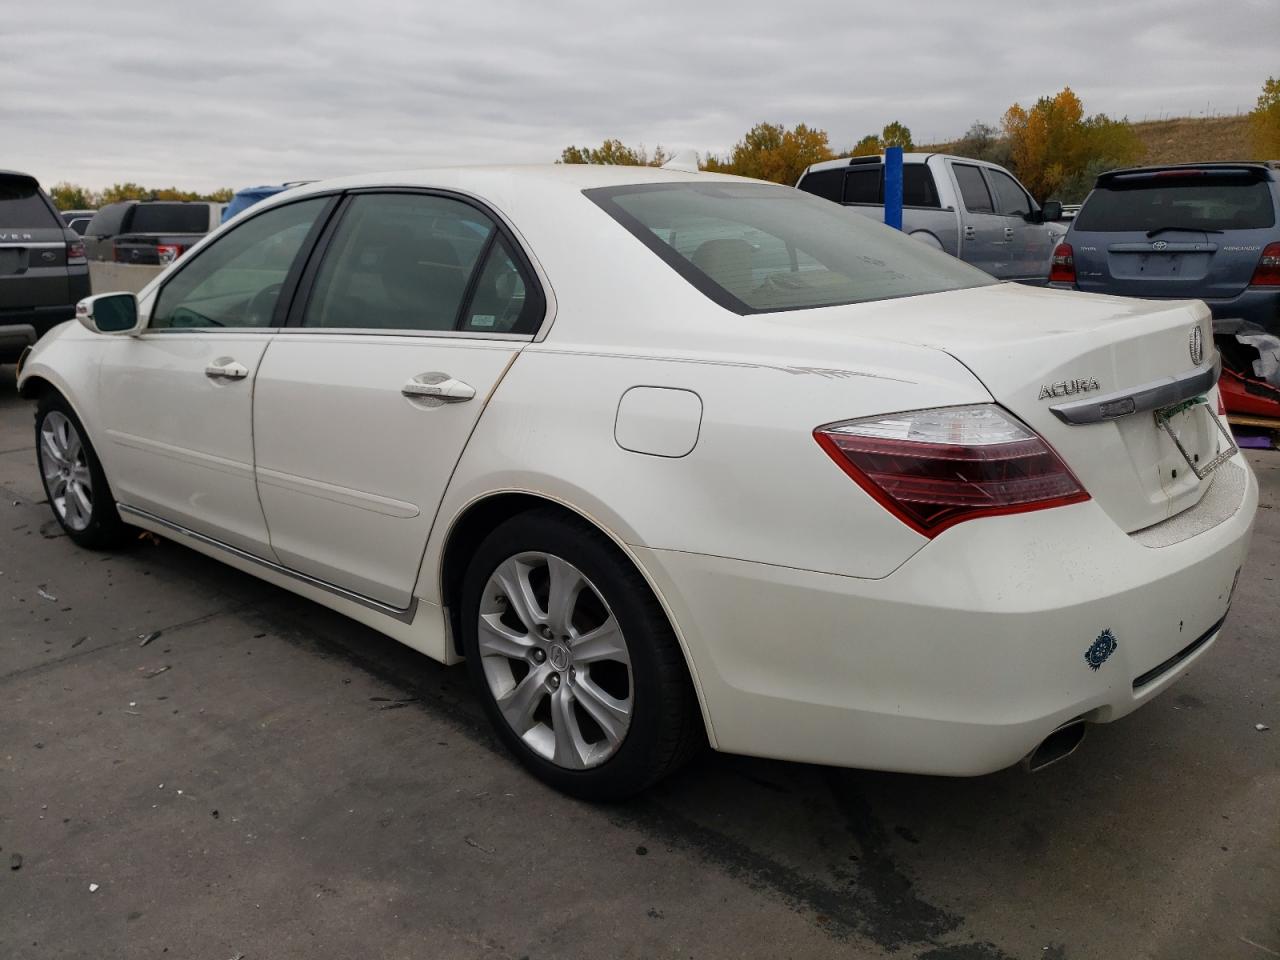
x: 483, y: 514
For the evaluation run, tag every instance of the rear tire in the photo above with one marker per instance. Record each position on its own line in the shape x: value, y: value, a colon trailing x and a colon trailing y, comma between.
x: 574, y: 660
x: 71, y: 472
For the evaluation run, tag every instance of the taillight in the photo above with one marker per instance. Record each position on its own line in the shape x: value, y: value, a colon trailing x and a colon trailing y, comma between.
x: 169, y: 252
x: 75, y: 252
x: 935, y: 468
x: 1267, y: 273
x: 1062, y: 268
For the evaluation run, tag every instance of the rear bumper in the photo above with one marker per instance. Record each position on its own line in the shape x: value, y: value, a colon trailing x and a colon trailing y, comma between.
x: 966, y: 657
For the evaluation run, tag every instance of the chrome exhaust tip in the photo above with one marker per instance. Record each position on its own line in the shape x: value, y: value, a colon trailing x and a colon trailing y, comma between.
x: 1058, y: 745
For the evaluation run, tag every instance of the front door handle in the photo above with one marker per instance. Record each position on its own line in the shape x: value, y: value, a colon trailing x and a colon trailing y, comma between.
x: 970, y: 233
x: 224, y: 368
x: 437, y: 388
x: 1008, y: 233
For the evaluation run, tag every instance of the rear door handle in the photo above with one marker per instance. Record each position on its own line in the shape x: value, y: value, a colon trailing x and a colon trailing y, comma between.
x: 970, y: 233
x: 438, y: 387
x: 224, y: 368
x: 1008, y: 233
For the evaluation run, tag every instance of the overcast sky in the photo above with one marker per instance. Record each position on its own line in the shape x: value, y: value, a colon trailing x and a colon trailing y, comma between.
x: 204, y: 94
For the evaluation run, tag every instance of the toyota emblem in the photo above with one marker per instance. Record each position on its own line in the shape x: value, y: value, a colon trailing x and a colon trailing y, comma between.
x: 1159, y: 245
x: 1197, y: 346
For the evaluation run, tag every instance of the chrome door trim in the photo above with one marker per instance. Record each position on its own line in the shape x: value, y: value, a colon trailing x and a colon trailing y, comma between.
x: 405, y: 615
x: 1149, y: 396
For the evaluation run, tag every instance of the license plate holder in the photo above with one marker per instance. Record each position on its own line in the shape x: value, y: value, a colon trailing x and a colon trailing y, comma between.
x: 1164, y: 419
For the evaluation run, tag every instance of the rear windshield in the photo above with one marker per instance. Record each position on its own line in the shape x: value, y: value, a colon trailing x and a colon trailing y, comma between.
x: 1206, y: 201
x: 758, y: 248
x: 170, y: 218
x: 22, y: 206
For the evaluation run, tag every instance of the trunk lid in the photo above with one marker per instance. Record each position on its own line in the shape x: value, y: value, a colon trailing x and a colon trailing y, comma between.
x: 1034, y: 349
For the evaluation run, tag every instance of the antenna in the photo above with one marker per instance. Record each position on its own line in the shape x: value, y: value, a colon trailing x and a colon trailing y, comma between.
x: 686, y: 160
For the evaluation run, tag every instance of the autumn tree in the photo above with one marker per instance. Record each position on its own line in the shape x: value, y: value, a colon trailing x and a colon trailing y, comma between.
x: 868, y: 146
x: 1264, y: 121
x: 769, y: 151
x: 895, y: 134
x: 1053, y: 144
x: 614, y: 151
x: 71, y: 196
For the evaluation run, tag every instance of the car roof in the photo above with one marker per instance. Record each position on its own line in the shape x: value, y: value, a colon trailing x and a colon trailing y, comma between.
x: 569, y: 176
x: 913, y: 157
x: 17, y: 173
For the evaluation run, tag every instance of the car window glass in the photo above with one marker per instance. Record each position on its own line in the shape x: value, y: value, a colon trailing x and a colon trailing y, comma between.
x: 22, y: 206
x: 862, y: 184
x: 170, y: 218
x: 235, y: 281
x: 972, y: 189
x: 828, y: 184
x: 1011, y: 201
x: 399, y: 262
x: 502, y: 301
x: 918, y: 188
x: 1217, y: 201
x: 755, y: 248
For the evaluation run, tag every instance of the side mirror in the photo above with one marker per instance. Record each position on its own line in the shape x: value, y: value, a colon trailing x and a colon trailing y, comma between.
x: 1051, y: 211
x: 113, y: 314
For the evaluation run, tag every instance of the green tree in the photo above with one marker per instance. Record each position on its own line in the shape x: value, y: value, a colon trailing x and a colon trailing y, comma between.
x: 982, y: 141
x: 1264, y: 121
x: 895, y: 134
x: 71, y: 196
x: 868, y: 146
x: 614, y: 151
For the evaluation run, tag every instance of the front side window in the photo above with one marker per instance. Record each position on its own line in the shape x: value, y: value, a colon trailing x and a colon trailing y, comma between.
x: 862, y: 184
x: 236, y: 281
x: 918, y: 188
x: 1011, y: 200
x: 756, y: 248
x: 414, y: 262
x: 972, y: 188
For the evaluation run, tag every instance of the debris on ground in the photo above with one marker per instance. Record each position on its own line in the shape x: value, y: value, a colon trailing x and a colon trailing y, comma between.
x: 1261, y: 727
x: 80, y: 641
x: 156, y: 672
x: 146, y: 638
x: 45, y: 594
x: 478, y: 845
x: 15, y: 861
x: 93, y: 888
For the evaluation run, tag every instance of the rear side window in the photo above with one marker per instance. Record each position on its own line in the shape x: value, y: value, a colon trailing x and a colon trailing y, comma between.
x: 108, y: 221
x: 862, y: 184
x: 1011, y: 201
x: 972, y: 188
x: 170, y: 218
x: 918, y: 188
x: 418, y: 262
x: 21, y: 204
x: 828, y: 184
x: 756, y: 248
x: 1208, y: 201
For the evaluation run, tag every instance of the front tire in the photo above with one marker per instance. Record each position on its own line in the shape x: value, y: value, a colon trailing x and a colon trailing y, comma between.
x: 74, y: 483
x: 574, y: 660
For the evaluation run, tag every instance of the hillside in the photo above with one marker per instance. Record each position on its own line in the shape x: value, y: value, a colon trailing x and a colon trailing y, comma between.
x: 1181, y: 140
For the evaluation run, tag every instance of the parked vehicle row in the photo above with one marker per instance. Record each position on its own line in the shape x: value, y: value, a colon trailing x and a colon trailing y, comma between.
x: 43, y: 271
x: 971, y: 209
x: 671, y: 458
x: 149, y: 231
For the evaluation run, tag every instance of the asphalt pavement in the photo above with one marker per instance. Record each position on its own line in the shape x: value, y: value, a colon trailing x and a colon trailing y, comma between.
x: 266, y: 779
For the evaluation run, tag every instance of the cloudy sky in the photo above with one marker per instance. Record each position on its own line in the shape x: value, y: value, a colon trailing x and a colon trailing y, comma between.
x: 229, y: 93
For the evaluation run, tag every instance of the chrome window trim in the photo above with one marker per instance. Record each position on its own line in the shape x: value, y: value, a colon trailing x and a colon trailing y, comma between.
x: 35, y: 245
x: 383, y: 332
x: 405, y: 615
x: 1149, y: 396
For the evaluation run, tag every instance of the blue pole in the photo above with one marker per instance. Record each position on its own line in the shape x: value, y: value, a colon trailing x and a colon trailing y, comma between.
x: 893, y: 187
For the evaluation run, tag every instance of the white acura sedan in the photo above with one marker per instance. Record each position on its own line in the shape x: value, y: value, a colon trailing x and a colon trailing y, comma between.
x: 672, y: 458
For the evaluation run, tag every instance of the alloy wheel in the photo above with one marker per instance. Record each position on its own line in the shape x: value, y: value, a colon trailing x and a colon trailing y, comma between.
x: 555, y: 660
x: 66, y: 470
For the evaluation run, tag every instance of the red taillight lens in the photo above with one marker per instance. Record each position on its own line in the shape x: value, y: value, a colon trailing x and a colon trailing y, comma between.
x: 936, y: 468
x: 169, y: 252
x: 1267, y: 273
x: 75, y: 251
x: 1062, y: 268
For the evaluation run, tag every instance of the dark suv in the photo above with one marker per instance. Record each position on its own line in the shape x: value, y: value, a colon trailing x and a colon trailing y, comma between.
x: 43, y: 271
x: 1208, y: 231
x: 149, y: 232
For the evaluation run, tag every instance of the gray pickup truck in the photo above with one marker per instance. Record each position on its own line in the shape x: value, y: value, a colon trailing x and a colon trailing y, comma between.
x: 972, y: 209
x: 149, y: 231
